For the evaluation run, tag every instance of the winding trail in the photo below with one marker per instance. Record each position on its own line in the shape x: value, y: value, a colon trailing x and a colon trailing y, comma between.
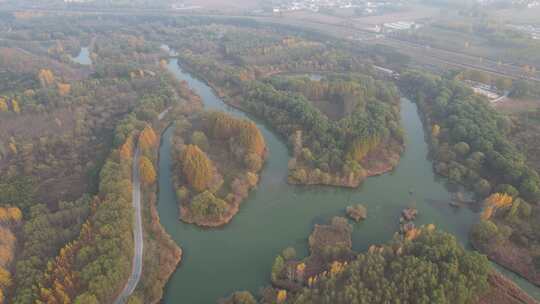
x: 136, y: 268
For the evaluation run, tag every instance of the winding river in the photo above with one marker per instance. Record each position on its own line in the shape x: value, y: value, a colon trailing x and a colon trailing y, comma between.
x: 276, y: 215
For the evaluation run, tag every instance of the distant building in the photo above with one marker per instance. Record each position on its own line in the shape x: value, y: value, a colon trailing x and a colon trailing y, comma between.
x: 400, y: 26
x: 377, y: 28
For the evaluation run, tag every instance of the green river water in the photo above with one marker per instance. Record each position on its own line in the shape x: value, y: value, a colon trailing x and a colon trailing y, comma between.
x: 276, y: 215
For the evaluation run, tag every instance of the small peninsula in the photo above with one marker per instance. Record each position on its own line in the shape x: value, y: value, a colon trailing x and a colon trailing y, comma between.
x: 217, y: 159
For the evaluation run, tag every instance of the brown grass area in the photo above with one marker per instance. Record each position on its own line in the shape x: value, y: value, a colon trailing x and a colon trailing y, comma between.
x: 383, y: 159
x: 328, y: 236
x: 511, y: 256
x: 332, y: 110
x: 313, y: 17
x: 59, y: 180
x: 504, y: 291
x: 409, y: 14
x: 36, y: 125
x: 22, y: 62
x: 516, y: 106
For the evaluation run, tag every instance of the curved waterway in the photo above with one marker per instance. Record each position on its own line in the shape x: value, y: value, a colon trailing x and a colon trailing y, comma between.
x: 276, y: 215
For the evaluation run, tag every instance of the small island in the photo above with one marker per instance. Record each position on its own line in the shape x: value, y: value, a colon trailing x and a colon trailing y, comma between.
x: 217, y: 159
x: 357, y: 212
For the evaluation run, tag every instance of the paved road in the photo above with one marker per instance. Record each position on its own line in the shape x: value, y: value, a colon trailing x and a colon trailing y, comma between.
x: 137, y: 233
x: 136, y: 269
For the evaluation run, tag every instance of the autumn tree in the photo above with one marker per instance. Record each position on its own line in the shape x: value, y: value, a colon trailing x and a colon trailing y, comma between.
x: 63, y: 88
x: 362, y: 146
x: 435, y: 130
x: 14, y: 214
x: 3, y: 215
x: 300, y: 271
x: 46, y: 77
x: 221, y: 125
x: 253, y: 162
x: 3, y: 105
x: 163, y: 64
x: 240, y: 297
x: 10, y: 215
x: 147, y: 138
x: 206, y: 204
x: 146, y: 170
x: 5, y: 278
x: 494, y: 202
x: 134, y: 300
x: 251, y: 138
x: 126, y: 150
x: 15, y: 106
x: 281, y: 296
x: 197, y: 168
x: 277, y: 267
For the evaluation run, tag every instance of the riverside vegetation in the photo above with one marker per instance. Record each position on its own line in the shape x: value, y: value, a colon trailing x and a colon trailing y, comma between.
x: 470, y: 145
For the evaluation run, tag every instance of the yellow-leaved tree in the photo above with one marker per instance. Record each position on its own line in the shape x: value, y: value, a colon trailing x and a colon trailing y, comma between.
x: 126, y: 150
x: 5, y: 278
x: 197, y: 168
x: 14, y: 214
x: 361, y: 147
x: 12, y: 148
x: 281, y: 296
x: 3, y: 105
x: 46, y: 77
x: 63, y: 88
x: 146, y: 170
x: 15, y: 106
x: 435, y: 130
x: 251, y: 138
x: 494, y: 202
x: 147, y: 138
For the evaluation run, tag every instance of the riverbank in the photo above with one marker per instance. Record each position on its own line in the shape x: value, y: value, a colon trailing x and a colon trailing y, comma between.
x: 162, y: 255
